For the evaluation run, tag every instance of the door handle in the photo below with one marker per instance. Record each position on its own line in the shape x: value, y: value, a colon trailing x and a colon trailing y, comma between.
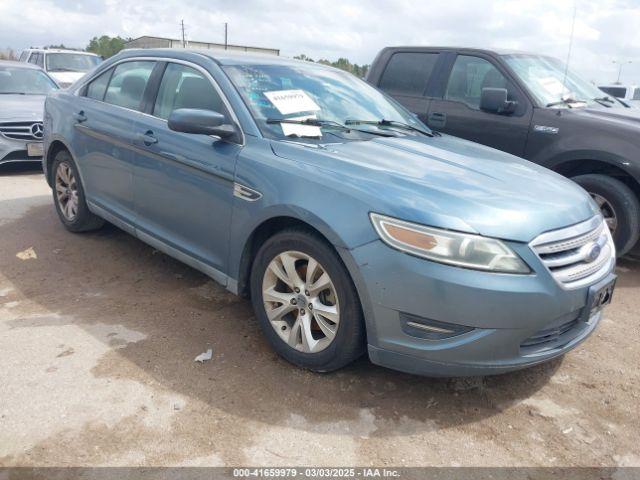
x: 148, y: 138
x: 80, y: 116
x: 437, y: 119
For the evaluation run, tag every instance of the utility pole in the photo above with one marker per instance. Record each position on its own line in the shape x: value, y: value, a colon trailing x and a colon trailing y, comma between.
x: 225, y: 35
x: 184, y: 43
x: 620, y: 69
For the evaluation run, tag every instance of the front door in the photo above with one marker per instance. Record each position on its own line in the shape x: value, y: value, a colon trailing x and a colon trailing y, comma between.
x: 458, y: 111
x: 183, y: 183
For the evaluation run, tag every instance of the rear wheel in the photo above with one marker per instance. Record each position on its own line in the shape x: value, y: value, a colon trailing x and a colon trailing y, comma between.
x: 619, y: 206
x: 68, y: 196
x: 306, y: 303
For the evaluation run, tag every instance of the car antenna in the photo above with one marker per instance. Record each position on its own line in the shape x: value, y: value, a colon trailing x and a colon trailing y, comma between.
x: 566, y: 66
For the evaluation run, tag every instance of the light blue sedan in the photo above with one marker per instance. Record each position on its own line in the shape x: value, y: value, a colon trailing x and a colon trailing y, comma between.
x: 350, y: 225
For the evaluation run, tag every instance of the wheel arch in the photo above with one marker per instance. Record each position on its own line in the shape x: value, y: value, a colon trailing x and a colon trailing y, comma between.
x: 572, y: 167
x: 265, y: 230
x: 56, y: 146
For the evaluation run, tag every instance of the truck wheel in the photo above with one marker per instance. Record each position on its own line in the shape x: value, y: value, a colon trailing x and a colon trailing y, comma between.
x: 619, y: 206
x: 68, y: 196
x: 306, y: 303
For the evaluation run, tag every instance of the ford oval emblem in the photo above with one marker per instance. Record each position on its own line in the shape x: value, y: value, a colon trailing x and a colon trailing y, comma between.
x: 593, y: 253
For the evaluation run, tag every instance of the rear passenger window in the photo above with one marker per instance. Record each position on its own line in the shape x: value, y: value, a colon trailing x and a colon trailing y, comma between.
x: 185, y: 87
x: 469, y: 76
x: 127, y: 84
x: 636, y: 94
x: 407, y: 73
x: 98, y: 86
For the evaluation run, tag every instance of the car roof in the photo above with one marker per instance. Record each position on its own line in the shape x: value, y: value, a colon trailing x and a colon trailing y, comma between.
x: 488, y: 51
x: 59, y: 50
x: 17, y: 64
x: 221, y: 57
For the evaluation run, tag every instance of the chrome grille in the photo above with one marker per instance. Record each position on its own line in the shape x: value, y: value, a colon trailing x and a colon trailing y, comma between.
x: 577, y: 255
x: 22, y: 130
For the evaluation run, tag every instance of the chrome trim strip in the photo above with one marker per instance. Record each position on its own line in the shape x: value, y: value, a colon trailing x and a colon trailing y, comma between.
x: 567, y: 233
x: 246, y: 193
x: 428, y: 328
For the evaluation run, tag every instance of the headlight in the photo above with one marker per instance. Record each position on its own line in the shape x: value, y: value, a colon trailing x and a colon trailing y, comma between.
x: 444, y: 246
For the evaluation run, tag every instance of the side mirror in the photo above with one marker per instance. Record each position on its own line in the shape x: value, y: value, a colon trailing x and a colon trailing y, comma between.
x: 203, y: 122
x: 494, y: 100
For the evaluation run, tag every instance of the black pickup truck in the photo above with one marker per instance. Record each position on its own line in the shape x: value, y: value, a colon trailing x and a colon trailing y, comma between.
x: 531, y: 106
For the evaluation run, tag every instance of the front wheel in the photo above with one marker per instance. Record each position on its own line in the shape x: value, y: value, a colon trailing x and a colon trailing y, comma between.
x: 619, y: 206
x: 306, y: 303
x: 68, y: 196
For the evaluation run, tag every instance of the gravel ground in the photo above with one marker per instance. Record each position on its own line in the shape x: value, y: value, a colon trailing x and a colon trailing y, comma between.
x: 98, y: 335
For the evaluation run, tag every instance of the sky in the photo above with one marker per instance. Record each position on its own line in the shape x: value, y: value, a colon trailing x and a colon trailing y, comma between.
x: 605, y: 30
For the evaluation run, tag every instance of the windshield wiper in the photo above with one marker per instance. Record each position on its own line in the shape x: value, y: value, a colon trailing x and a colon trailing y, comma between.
x: 12, y: 93
x: 390, y: 123
x: 63, y: 69
x: 602, y: 100
x: 316, y: 122
x: 565, y: 101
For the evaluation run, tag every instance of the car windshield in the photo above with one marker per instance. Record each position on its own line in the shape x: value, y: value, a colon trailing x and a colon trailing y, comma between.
x: 24, y: 81
x: 545, y: 78
x: 71, y: 62
x: 324, y: 100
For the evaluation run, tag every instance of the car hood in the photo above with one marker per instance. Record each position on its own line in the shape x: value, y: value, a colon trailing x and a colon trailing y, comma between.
x: 66, y: 78
x: 23, y: 108
x: 451, y: 183
x: 629, y: 116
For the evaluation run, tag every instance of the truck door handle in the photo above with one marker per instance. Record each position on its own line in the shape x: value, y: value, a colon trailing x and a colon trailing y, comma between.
x: 80, y: 116
x: 148, y: 138
x: 437, y: 119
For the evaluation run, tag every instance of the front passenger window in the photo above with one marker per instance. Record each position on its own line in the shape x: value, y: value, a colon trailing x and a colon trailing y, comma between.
x: 469, y: 76
x: 185, y: 87
x: 128, y: 83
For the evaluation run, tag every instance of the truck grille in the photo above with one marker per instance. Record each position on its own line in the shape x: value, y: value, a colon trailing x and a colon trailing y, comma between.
x: 22, y: 130
x: 578, y: 255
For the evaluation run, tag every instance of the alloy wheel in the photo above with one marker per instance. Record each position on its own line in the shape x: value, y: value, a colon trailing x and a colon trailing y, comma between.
x: 301, y: 302
x: 66, y: 191
x: 607, y: 211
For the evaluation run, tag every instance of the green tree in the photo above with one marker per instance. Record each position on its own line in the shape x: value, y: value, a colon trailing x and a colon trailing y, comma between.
x: 341, y: 63
x: 106, y: 46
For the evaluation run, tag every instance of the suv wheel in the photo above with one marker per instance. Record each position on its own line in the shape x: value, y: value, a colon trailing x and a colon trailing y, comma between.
x: 619, y: 207
x: 306, y: 303
x: 68, y: 196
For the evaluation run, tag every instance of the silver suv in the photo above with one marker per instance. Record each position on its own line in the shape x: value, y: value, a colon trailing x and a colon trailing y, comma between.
x: 65, y: 66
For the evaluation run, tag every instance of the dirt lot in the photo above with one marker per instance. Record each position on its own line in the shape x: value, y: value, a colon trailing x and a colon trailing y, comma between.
x: 98, y: 335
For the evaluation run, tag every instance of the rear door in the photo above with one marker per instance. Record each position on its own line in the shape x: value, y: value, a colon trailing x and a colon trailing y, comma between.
x: 103, y: 120
x: 406, y: 78
x: 458, y: 112
x: 183, y: 183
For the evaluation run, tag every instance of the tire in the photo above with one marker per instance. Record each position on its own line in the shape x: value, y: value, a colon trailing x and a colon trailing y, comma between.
x: 621, y: 202
x: 65, y: 177
x: 348, y: 341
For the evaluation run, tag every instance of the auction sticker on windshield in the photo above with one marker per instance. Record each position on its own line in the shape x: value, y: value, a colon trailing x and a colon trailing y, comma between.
x: 292, y: 101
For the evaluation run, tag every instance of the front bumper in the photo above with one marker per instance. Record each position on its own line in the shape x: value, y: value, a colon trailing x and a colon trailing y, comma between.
x: 13, y: 150
x: 516, y: 320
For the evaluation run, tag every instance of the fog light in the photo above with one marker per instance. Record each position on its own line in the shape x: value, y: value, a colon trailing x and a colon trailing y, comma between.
x: 430, y: 329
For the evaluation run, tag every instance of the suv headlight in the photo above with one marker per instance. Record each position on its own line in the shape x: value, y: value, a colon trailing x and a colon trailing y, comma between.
x: 444, y: 246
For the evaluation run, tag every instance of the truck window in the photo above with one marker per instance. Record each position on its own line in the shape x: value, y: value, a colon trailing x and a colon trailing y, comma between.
x: 636, y: 93
x: 618, y: 92
x: 407, y: 73
x: 469, y: 76
x: 23, y: 56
